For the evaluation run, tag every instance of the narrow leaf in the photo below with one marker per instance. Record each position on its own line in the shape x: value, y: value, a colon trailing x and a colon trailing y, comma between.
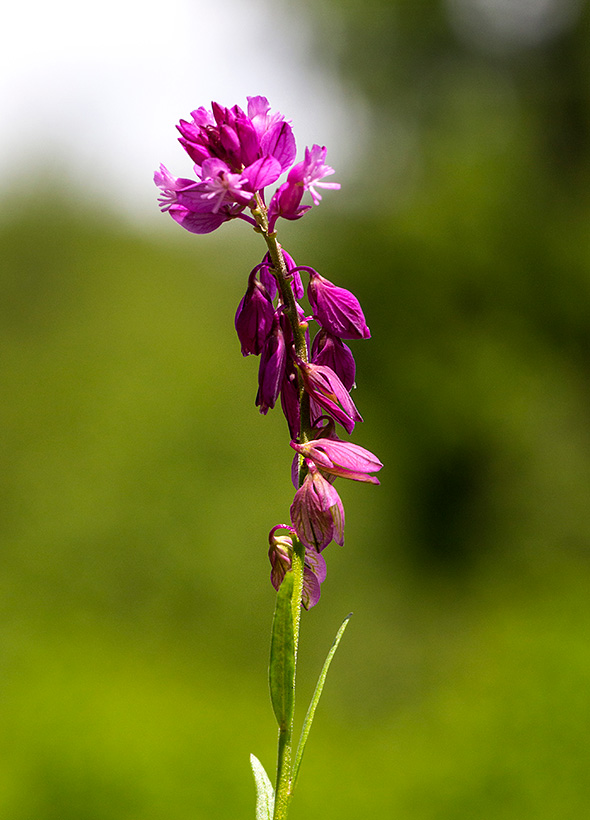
x: 265, y: 795
x: 316, y: 697
x: 282, y: 656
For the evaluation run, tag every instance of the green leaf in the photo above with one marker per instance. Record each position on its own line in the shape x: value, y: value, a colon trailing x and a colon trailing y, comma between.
x: 316, y: 698
x: 265, y: 795
x: 282, y: 656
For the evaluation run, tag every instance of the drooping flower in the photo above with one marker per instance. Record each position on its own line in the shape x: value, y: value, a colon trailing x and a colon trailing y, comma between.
x: 294, y: 278
x: 341, y: 458
x: 326, y: 389
x: 330, y: 351
x: 272, y: 368
x: 281, y: 559
x: 314, y: 574
x: 254, y: 316
x: 317, y: 512
x: 286, y: 202
x: 290, y: 399
x: 280, y: 554
x: 336, y: 309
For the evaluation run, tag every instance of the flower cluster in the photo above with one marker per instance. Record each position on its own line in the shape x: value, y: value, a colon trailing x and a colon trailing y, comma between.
x: 237, y: 155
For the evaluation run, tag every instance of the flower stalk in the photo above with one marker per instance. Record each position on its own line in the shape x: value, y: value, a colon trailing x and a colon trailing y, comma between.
x: 237, y: 154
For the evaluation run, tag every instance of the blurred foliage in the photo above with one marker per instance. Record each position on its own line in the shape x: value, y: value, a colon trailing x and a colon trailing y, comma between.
x: 139, y: 482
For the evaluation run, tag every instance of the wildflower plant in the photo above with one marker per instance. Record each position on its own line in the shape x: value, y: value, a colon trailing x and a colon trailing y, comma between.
x: 237, y: 154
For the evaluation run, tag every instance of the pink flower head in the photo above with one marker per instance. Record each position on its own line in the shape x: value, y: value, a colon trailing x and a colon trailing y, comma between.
x: 237, y: 138
x: 341, y: 458
x: 317, y: 512
x: 326, y: 389
x: 336, y: 309
x: 254, y: 316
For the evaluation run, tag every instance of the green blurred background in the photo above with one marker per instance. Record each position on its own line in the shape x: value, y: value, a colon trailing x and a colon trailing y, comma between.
x: 139, y: 482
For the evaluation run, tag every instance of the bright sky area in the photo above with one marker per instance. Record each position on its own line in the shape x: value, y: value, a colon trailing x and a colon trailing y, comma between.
x: 91, y: 93
x: 94, y: 92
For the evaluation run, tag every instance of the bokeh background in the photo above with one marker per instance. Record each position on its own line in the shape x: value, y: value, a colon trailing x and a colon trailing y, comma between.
x: 139, y: 482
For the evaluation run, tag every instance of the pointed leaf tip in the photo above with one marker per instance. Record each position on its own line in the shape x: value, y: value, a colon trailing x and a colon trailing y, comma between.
x: 316, y: 698
x: 265, y: 796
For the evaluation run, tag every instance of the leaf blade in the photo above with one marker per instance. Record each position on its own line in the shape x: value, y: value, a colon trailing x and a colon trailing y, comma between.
x: 316, y: 698
x: 281, y: 673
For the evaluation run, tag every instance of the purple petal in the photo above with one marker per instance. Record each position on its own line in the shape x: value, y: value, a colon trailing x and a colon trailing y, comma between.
x: 197, y: 222
x: 254, y: 317
x: 330, y: 351
x: 341, y: 458
x: 272, y: 369
x: 336, y: 309
x: 280, y: 142
x: 325, y: 388
x: 261, y: 173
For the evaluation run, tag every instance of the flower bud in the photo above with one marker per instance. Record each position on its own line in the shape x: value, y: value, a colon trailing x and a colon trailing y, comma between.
x: 336, y: 309
x: 281, y: 558
x: 254, y: 317
x: 329, y: 350
x: 317, y: 512
x: 341, y: 458
x: 272, y: 368
x: 326, y: 389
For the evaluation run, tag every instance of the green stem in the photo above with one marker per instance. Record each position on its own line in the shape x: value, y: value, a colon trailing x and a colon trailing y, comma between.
x: 284, y: 781
x: 283, y: 281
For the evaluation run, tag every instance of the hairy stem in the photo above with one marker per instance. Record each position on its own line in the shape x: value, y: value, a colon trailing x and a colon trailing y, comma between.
x: 284, y: 780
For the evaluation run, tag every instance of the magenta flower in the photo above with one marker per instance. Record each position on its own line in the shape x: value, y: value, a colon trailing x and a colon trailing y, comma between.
x: 311, y: 171
x: 286, y: 202
x: 290, y: 399
x: 330, y: 351
x: 280, y: 554
x: 314, y: 574
x: 326, y: 389
x: 236, y: 138
x: 268, y: 278
x: 274, y: 132
x: 281, y: 557
x: 220, y: 186
x: 305, y: 176
x: 272, y: 368
x: 341, y: 458
x: 254, y: 316
x: 317, y: 512
x: 180, y: 205
x: 336, y: 309
x: 236, y: 156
